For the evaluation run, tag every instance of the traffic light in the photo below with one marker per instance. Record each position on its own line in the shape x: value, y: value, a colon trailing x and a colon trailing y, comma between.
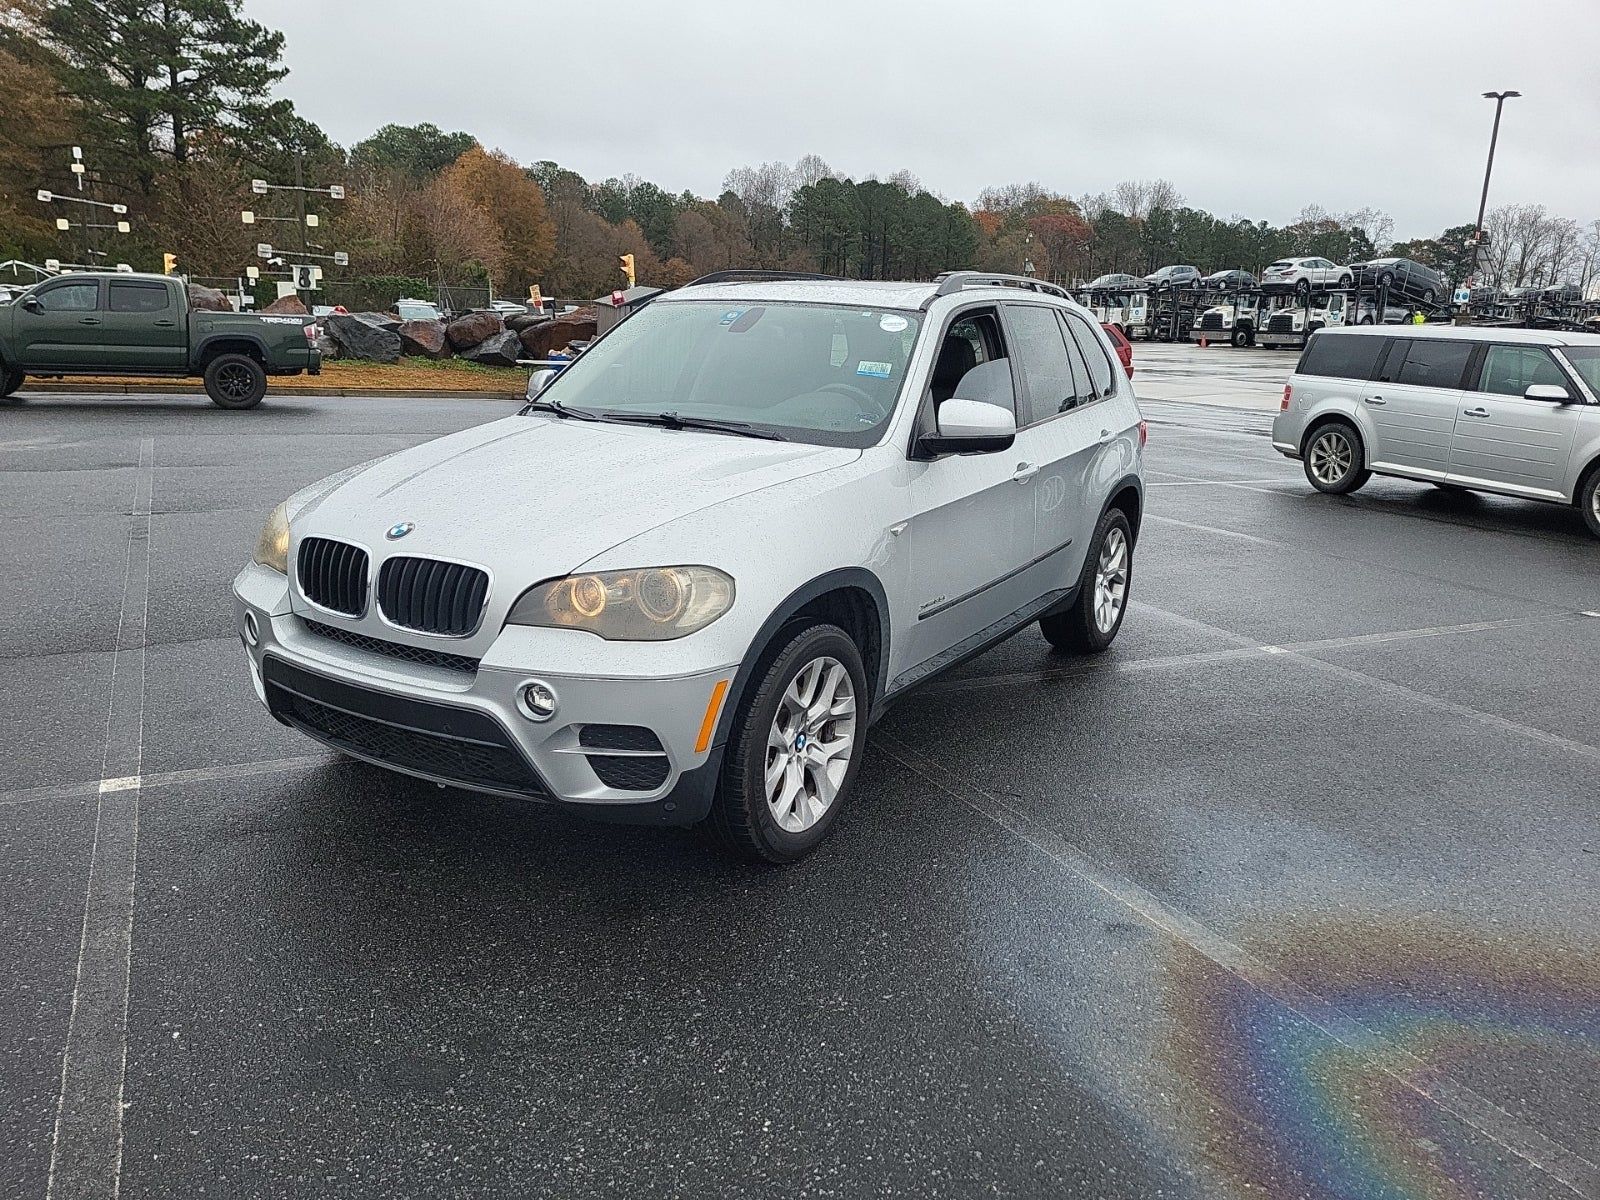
x: 627, y: 267
x: 169, y: 264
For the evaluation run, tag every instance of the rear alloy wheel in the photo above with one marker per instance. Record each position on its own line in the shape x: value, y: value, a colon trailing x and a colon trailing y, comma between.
x: 1427, y: 298
x: 1386, y: 279
x: 1302, y: 288
x: 795, y: 748
x: 1589, y: 501
x: 1090, y: 625
x: 235, y: 381
x: 1333, y: 460
x: 1345, y: 281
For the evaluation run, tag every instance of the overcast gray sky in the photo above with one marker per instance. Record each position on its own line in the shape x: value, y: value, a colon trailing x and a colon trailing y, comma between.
x: 1251, y: 108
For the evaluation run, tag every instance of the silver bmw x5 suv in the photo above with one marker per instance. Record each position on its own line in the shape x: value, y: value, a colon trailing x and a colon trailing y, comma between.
x: 1513, y: 411
x: 682, y: 582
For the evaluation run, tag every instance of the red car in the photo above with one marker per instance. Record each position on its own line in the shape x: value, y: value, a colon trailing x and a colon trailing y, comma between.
x: 1124, y: 347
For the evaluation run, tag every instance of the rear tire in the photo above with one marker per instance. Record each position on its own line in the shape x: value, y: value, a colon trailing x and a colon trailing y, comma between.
x: 795, y: 750
x: 1090, y: 624
x: 1334, y: 459
x: 235, y: 381
x: 1589, y: 500
x: 10, y: 381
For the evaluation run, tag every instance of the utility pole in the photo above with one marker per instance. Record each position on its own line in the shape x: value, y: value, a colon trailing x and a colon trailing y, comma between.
x: 89, y: 228
x: 1499, y: 99
x: 303, y: 273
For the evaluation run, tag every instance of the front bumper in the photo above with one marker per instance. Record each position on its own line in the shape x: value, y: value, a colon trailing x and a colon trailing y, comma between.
x: 1210, y: 335
x: 636, y: 749
x: 1292, y: 338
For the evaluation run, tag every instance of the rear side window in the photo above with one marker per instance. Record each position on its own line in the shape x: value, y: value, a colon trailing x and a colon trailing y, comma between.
x: 138, y: 297
x: 1101, y: 373
x: 1512, y: 370
x: 1343, y: 356
x: 1426, y: 362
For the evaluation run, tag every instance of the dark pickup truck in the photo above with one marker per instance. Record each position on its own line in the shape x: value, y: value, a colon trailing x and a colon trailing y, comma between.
x: 124, y: 324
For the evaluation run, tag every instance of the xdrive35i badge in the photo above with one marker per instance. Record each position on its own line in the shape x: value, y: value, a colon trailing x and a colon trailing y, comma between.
x: 396, y: 532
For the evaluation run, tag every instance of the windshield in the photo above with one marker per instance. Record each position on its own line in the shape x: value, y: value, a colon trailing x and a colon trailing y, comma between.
x: 1585, y: 361
x: 812, y: 372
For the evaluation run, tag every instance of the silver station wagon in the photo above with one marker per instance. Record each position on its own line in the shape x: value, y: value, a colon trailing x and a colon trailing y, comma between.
x: 1513, y: 411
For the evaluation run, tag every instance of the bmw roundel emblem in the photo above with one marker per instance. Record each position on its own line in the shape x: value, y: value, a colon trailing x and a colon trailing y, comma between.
x: 396, y: 532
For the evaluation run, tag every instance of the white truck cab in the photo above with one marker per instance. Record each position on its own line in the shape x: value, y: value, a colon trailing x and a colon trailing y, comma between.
x: 1236, y: 321
x: 1292, y: 324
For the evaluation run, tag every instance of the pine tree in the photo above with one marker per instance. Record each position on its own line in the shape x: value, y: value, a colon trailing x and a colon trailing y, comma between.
x: 154, y: 78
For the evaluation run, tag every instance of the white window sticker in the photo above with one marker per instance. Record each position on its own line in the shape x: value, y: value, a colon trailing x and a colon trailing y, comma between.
x: 890, y: 323
x: 877, y: 370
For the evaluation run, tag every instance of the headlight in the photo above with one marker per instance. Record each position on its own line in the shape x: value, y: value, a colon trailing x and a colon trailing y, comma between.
x: 272, y: 547
x: 647, y: 604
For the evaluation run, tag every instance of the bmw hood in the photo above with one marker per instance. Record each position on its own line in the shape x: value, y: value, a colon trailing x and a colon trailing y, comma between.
x: 535, y: 497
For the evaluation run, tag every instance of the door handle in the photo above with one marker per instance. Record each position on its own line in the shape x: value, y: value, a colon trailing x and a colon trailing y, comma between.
x: 88, y: 320
x: 1025, y: 472
x: 1379, y: 401
x: 1475, y: 412
x: 165, y: 324
x: 1105, y: 435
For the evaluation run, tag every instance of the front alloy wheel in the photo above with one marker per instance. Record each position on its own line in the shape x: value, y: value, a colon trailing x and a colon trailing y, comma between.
x: 794, y: 747
x: 1333, y: 460
x: 810, y: 744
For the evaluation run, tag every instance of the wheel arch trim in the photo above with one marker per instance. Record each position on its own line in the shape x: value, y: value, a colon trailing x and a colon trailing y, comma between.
x: 821, y: 585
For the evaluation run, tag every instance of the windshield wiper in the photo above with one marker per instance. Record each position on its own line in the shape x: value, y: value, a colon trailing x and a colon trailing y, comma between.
x: 672, y: 420
x: 560, y: 410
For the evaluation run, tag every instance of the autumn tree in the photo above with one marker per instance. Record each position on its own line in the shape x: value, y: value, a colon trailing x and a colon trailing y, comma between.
x: 501, y: 191
x: 34, y: 134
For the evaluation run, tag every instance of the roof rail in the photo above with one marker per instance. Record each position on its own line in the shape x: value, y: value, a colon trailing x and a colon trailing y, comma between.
x: 756, y: 277
x: 951, y: 282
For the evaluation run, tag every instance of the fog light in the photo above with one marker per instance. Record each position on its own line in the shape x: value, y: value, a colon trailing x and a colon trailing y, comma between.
x: 252, y: 634
x: 537, y: 700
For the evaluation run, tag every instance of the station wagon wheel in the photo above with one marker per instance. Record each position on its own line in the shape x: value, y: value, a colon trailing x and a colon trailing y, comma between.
x: 1334, y: 459
x: 235, y: 381
x: 794, y: 747
x: 1589, y: 500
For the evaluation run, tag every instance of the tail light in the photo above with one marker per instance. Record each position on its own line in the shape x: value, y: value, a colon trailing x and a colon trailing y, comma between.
x: 1144, y: 434
x: 1288, y: 395
x: 311, y: 333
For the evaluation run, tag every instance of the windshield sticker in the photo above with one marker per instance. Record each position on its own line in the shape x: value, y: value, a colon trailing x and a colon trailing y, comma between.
x: 890, y: 323
x: 877, y: 370
x: 732, y: 315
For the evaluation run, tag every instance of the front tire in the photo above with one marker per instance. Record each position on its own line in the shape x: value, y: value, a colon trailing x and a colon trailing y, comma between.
x: 1589, y: 501
x: 795, y: 750
x: 1241, y: 338
x: 1334, y: 459
x: 1090, y: 625
x: 235, y: 381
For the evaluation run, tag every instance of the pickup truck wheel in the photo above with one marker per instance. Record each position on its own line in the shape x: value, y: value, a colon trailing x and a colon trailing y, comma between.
x: 235, y: 381
x: 796, y: 746
x: 1091, y: 624
x: 10, y: 381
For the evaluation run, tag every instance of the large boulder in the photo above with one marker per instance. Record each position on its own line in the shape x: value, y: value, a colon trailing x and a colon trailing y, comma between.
x: 497, y: 350
x: 468, y: 331
x: 360, y: 336
x: 208, y: 299
x: 554, y: 334
x: 286, y: 306
x: 327, y: 347
x: 517, y: 322
x: 423, y: 337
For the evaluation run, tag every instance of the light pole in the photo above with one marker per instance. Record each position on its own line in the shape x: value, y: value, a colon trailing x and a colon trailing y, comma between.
x: 1499, y: 99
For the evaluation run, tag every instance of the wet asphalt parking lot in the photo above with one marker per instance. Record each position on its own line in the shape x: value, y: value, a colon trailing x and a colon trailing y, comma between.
x: 1291, y: 894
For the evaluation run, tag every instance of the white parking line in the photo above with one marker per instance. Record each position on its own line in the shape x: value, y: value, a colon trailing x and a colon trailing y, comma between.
x: 1566, y: 1166
x: 161, y: 779
x: 86, y: 1147
x: 1243, y: 650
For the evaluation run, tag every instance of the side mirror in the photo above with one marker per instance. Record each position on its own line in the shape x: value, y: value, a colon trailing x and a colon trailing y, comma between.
x: 539, y: 380
x: 970, y: 427
x: 1550, y: 393
x: 32, y: 304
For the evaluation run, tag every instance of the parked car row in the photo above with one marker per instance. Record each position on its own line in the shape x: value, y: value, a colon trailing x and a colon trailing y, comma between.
x: 1406, y: 279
